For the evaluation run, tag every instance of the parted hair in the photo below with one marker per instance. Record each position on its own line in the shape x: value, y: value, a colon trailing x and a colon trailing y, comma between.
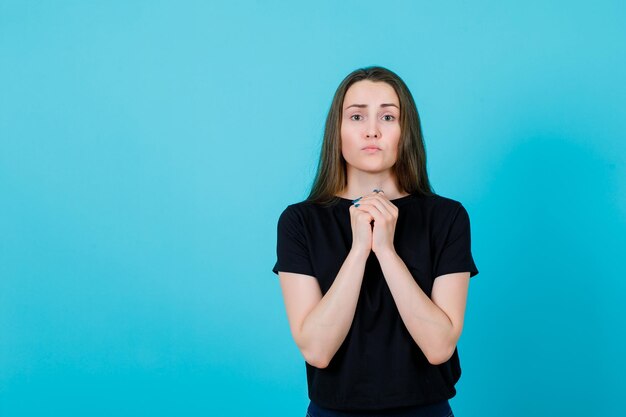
x: 410, y: 167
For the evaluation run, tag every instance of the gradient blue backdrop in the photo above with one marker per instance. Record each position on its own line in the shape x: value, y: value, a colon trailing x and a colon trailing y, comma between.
x: 147, y: 149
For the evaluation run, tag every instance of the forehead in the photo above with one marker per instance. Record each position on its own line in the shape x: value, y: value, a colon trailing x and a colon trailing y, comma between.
x: 370, y: 92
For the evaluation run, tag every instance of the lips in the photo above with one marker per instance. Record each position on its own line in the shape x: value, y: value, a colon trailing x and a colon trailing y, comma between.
x: 371, y: 150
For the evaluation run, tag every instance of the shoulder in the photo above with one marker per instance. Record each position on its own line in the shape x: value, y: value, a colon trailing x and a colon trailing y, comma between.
x: 297, y: 209
x: 440, y: 205
x: 290, y: 213
x: 440, y: 201
x: 443, y: 211
x: 307, y: 208
x: 297, y: 213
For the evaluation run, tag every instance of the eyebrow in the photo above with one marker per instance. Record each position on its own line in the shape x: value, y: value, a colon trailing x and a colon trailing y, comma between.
x: 365, y: 105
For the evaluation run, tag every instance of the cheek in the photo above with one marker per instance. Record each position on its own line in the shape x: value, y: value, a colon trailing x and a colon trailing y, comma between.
x: 397, y: 134
x: 347, y: 140
x: 396, y: 146
x: 391, y: 133
x: 395, y: 130
x: 345, y: 131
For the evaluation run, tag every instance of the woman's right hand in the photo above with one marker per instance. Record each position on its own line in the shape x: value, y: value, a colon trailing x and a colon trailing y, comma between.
x: 361, y: 223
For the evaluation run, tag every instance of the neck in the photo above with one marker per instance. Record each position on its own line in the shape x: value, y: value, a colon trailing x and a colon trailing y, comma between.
x: 365, y: 183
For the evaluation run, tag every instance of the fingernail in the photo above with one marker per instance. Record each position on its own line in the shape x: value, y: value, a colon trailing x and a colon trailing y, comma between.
x: 356, y: 199
x: 356, y: 205
x: 376, y: 190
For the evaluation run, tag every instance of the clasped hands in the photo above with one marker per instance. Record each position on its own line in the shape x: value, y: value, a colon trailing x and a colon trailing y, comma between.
x: 373, y: 218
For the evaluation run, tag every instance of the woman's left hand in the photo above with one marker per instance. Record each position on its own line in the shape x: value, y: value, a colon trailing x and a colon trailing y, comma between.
x: 385, y: 215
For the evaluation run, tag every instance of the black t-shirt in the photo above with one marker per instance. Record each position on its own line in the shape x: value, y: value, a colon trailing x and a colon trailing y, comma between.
x: 378, y: 365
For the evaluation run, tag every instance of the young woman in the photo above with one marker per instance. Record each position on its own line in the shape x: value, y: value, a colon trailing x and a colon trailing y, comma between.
x: 374, y: 267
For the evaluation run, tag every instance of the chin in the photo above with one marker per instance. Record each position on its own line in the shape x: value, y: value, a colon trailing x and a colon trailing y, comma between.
x: 373, y: 170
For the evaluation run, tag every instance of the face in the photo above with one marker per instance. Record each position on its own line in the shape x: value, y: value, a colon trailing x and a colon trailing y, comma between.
x: 370, y: 126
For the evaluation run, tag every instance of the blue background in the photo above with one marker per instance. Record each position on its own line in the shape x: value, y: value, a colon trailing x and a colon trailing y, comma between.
x: 147, y: 149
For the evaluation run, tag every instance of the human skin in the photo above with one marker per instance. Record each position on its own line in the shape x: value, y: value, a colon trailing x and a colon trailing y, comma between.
x: 435, y: 323
x: 371, y: 117
x: 319, y: 324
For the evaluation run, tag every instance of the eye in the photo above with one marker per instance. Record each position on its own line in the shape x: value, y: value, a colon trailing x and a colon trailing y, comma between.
x: 355, y: 115
x: 389, y: 118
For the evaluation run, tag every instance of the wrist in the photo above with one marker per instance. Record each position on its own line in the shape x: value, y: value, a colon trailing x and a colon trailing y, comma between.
x: 360, y: 252
x: 386, y: 254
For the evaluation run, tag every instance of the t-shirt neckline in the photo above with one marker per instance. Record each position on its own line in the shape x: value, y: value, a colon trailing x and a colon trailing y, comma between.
x: 406, y: 197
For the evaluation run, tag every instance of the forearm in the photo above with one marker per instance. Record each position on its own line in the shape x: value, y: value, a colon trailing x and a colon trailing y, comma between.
x: 325, y: 328
x: 429, y: 325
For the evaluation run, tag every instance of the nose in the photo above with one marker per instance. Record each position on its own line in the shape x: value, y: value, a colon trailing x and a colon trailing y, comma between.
x: 372, y: 130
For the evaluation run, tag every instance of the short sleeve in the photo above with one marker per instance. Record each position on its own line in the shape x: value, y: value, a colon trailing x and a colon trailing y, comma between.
x: 456, y: 251
x: 291, y: 245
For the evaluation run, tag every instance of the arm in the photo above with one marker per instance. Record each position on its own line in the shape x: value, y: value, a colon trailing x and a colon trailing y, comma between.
x: 319, y: 325
x: 435, y: 324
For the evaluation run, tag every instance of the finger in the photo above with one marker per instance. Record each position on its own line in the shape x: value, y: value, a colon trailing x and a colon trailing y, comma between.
x: 384, y: 206
x: 387, y: 208
x: 355, y: 208
x: 388, y: 203
x: 372, y: 210
x: 377, y: 193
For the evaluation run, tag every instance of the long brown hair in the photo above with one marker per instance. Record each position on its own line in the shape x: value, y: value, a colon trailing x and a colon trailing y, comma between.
x: 410, y: 166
